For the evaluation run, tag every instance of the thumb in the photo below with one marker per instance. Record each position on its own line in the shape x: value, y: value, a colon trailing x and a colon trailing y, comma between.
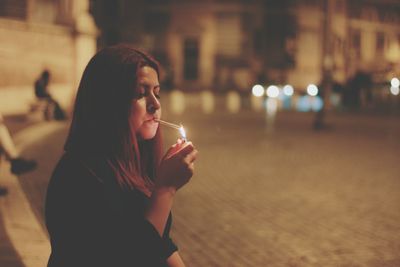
x: 172, y: 150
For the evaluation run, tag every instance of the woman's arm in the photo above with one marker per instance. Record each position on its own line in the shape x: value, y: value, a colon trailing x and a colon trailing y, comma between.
x: 175, y: 260
x: 175, y: 171
x: 159, y: 208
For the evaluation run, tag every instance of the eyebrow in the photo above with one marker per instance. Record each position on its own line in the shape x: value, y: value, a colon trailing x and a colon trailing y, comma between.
x: 147, y: 85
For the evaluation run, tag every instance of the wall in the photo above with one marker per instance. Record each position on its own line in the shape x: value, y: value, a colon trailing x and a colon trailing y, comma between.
x: 26, y: 49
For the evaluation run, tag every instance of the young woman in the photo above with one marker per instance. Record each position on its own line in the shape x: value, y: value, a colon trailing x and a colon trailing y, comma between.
x: 110, y: 197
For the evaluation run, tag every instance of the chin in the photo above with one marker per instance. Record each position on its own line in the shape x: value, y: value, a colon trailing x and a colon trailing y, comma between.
x: 147, y: 135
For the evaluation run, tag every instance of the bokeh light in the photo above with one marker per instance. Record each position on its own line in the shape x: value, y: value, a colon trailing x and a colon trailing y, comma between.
x: 317, y: 103
x: 395, y: 90
x: 258, y: 90
x: 312, y: 90
x: 272, y: 91
x: 288, y: 90
x: 395, y: 82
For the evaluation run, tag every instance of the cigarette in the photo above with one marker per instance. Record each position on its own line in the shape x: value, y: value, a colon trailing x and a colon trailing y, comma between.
x: 175, y: 126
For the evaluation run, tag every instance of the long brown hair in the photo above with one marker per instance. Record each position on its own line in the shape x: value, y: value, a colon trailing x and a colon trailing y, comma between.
x: 100, y: 124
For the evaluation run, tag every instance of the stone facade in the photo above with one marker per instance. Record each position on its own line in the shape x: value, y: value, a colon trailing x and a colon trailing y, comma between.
x: 27, y: 49
x: 214, y: 44
x: 59, y: 36
x: 223, y: 45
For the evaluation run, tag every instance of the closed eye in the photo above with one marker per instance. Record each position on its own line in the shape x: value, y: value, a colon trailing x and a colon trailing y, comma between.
x: 140, y: 95
x: 156, y: 92
x: 144, y: 90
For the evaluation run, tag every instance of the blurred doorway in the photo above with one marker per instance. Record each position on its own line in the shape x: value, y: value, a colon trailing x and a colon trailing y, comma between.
x: 191, y: 59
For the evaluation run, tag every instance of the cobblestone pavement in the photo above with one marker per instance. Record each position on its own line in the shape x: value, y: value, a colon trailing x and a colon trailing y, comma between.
x: 292, y: 197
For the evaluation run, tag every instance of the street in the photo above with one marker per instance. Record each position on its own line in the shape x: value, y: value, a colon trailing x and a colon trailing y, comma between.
x: 294, y: 197
x: 288, y: 197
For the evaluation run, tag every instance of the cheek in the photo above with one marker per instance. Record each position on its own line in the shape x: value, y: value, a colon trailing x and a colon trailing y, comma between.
x: 137, y: 111
x: 135, y: 122
x: 147, y: 131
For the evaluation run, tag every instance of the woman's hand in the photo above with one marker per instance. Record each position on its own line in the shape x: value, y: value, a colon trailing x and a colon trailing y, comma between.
x: 177, y: 166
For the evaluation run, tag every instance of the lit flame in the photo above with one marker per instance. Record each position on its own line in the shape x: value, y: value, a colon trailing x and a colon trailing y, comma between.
x: 182, y: 132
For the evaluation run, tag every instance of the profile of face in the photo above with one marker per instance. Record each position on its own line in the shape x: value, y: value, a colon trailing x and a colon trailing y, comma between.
x: 146, y: 106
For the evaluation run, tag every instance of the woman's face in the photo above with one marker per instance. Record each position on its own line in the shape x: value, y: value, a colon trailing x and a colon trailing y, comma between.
x: 146, y: 106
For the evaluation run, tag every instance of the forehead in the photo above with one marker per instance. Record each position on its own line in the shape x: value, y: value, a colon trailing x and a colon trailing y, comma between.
x: 147, y: 74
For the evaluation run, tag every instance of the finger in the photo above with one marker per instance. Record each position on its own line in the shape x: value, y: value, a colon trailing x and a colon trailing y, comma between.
x: 192, y: 156
x: 177, y: 148
x: 191, y: 169
x: 171, y: 151
x: 187, y: 148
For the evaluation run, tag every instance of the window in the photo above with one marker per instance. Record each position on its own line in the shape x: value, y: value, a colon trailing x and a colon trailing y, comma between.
x: 191, y: 56
x: 339, y: 6
x: 356, y: 39
x: 380, y: 43
x: 356, y: 42
x: 13, y: 8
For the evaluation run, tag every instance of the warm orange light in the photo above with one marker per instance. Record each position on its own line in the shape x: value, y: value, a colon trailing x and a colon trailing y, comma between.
x: 182, y: 132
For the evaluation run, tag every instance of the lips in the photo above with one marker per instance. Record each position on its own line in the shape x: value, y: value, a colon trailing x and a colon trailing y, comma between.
x: 151, y: 120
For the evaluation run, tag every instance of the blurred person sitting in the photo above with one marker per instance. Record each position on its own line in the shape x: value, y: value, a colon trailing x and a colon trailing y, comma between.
x: 41, y: 84
x: 19, y: 165
x: 53, y: 109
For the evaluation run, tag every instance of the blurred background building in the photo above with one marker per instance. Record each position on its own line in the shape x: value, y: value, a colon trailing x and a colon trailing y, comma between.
x: 211, y: 44
x: 57, y: 35
x: 221, y: 44
x: 39, y: 34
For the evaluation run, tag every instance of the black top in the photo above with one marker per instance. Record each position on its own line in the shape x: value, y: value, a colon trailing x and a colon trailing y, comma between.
x: 94, y: 222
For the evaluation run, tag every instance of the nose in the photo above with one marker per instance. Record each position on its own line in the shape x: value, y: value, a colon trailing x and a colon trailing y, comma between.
x: 153, y: 104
